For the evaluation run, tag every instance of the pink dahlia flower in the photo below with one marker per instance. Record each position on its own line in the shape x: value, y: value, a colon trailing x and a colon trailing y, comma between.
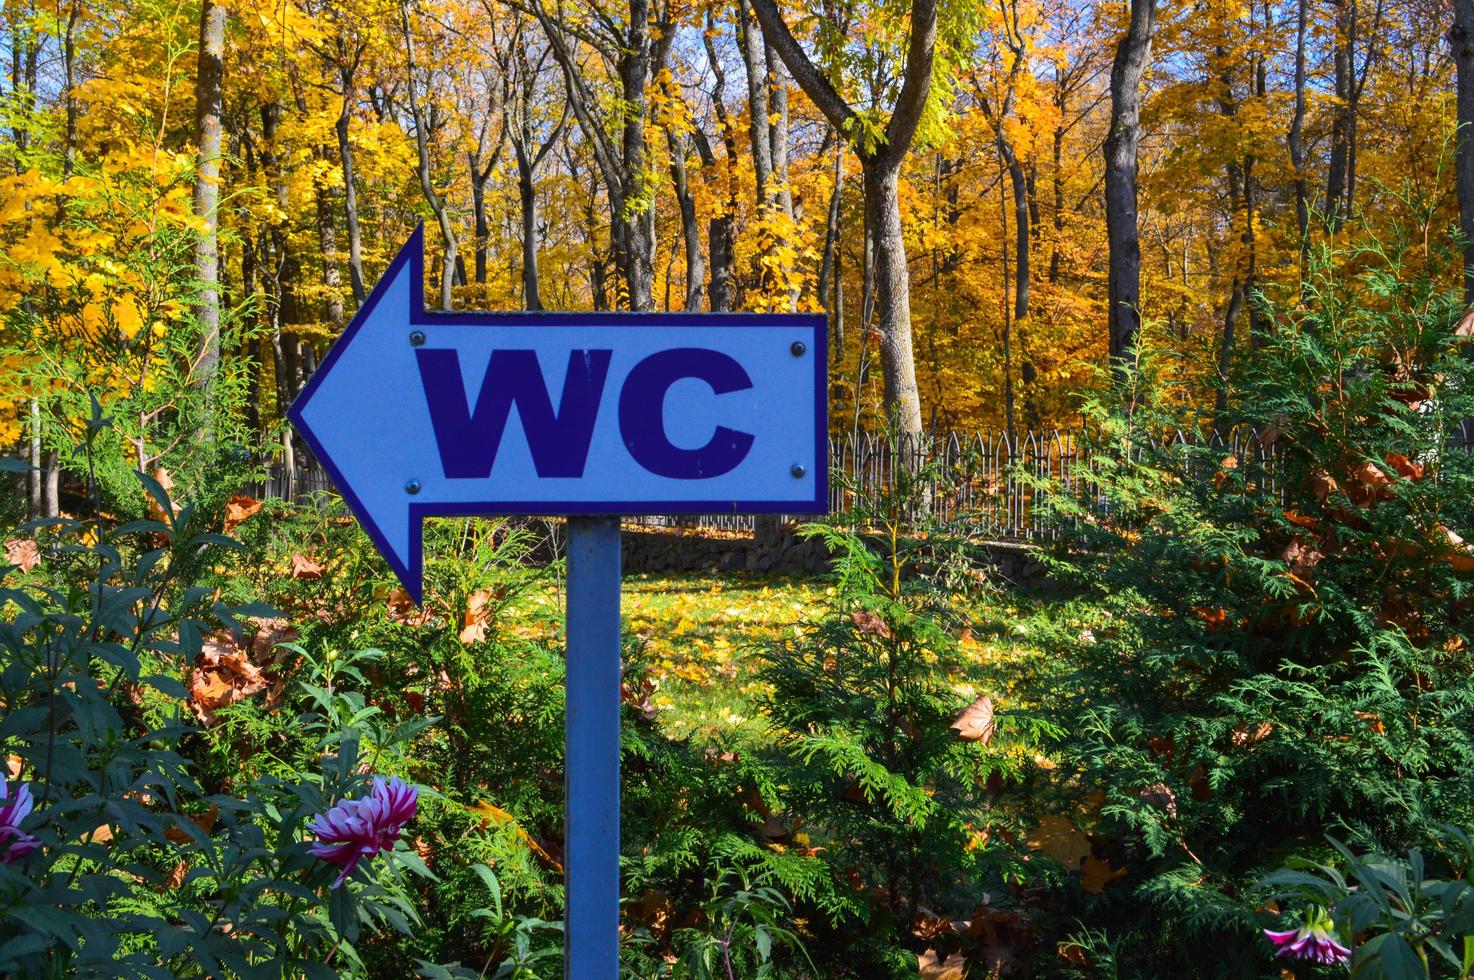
x: 356, y: 830
x: 15, y: 807
x: 1315, y: 940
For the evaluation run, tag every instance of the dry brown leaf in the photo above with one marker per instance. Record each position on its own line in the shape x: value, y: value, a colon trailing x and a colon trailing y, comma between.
x: 1464, y: 329
x: 930, y: 966
x: 1370, y: 484
x: 1159, y: 795
x: 1301, y: 557
x: 271, y: 633
x: 162, y: 477
x: 976, y: 723
x: 1227, y: 465
x: 13, y: 766
x: 238, y: 510
x: 205, y: 821
x: 1057, y: 838
x: 23, y: 552
x: 1403, y: 466
x: 402, y: 609
x: 1461, y: 553
x: 869, y: 622
x: 175, y: 878
x: 1322, y: 484
x: 305, y: 568
x: 1095, y: 874
x: 1302, y: 520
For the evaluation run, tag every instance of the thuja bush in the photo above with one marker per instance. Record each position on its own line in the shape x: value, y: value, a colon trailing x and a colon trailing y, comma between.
x: 882, y: 759
x: 1283, y: 647
x: 118, y: 857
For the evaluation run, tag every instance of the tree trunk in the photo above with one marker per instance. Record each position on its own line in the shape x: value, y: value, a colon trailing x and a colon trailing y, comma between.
x: 427, y: 187
x: 208, y: 107
x: 1462, y: 40
x: 690, y: 231
x: 892, y: 293
x: 327, y: 243
x: 527, y: 197
x: 1021, y: 221
x: 1340, y: 122
x: 1121, y: 147
x: 36, y: 501
x: 750, y: 42
x: 720, y: 233
x: 1297, y: 138
x: 350, y: 197
x: 828, y: 268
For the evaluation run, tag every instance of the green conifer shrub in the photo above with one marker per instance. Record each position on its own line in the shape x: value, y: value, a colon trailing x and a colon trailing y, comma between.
x: 1283, y: 647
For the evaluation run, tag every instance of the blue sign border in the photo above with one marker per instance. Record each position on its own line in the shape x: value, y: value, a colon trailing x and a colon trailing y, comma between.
x: 413, y: 253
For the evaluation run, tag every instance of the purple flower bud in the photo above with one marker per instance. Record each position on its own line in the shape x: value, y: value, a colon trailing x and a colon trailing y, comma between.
x: 357, y: 830
x: 15, y: 807
x: 1315, y: 940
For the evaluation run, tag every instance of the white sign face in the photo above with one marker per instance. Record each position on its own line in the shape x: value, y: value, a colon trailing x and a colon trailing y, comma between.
x: 417, y: 413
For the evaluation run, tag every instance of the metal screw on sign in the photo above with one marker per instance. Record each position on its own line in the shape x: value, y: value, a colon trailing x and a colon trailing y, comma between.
x: 655, y: 415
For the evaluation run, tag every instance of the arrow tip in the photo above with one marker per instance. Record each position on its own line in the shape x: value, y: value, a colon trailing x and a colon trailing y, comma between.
x: 340, y: 412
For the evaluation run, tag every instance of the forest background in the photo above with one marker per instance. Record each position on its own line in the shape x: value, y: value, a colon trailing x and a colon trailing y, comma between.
x: 663, y: 157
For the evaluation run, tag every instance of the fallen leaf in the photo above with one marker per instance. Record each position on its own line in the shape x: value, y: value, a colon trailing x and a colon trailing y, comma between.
x: 1370, y: 484
x: 175, y: 878
x: 238, y: 510
x: 23, y: 552
x: 1242, y: 735
x: 1059, y: 839
x: 1461, y: 553
x: 271, y: 633
x: 1301, y: 557
x: 305, y: 568
x: 1403, y: 466
x: 402, y: 609
x: 976, y: 723
x: 869, y: 622
x: 205, y: 821
x: 1159, y: 795
x: 1464, y: 329
x: 164, y: 480
x: 930, y: 966
x: 1095, y: 874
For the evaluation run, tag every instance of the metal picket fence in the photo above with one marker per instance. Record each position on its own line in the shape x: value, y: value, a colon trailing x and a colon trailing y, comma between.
x: 987, y: 480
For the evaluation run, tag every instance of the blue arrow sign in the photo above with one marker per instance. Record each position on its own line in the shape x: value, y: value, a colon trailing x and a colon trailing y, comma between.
x: 418, y: 413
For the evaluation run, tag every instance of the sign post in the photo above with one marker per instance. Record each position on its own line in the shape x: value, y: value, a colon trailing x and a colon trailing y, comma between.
x: 417, y: 413
x: 591, y: 738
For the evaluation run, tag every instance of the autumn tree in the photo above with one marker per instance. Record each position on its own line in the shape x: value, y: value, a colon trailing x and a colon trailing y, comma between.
x: 881, y: 149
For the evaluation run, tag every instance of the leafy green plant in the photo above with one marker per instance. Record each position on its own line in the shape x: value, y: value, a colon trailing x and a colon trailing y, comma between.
x: 744, y: 917
x: 1404, y: 922
x: 138, y: 868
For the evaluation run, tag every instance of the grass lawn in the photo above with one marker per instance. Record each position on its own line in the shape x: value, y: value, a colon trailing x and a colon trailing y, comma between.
x: 696, y: 637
